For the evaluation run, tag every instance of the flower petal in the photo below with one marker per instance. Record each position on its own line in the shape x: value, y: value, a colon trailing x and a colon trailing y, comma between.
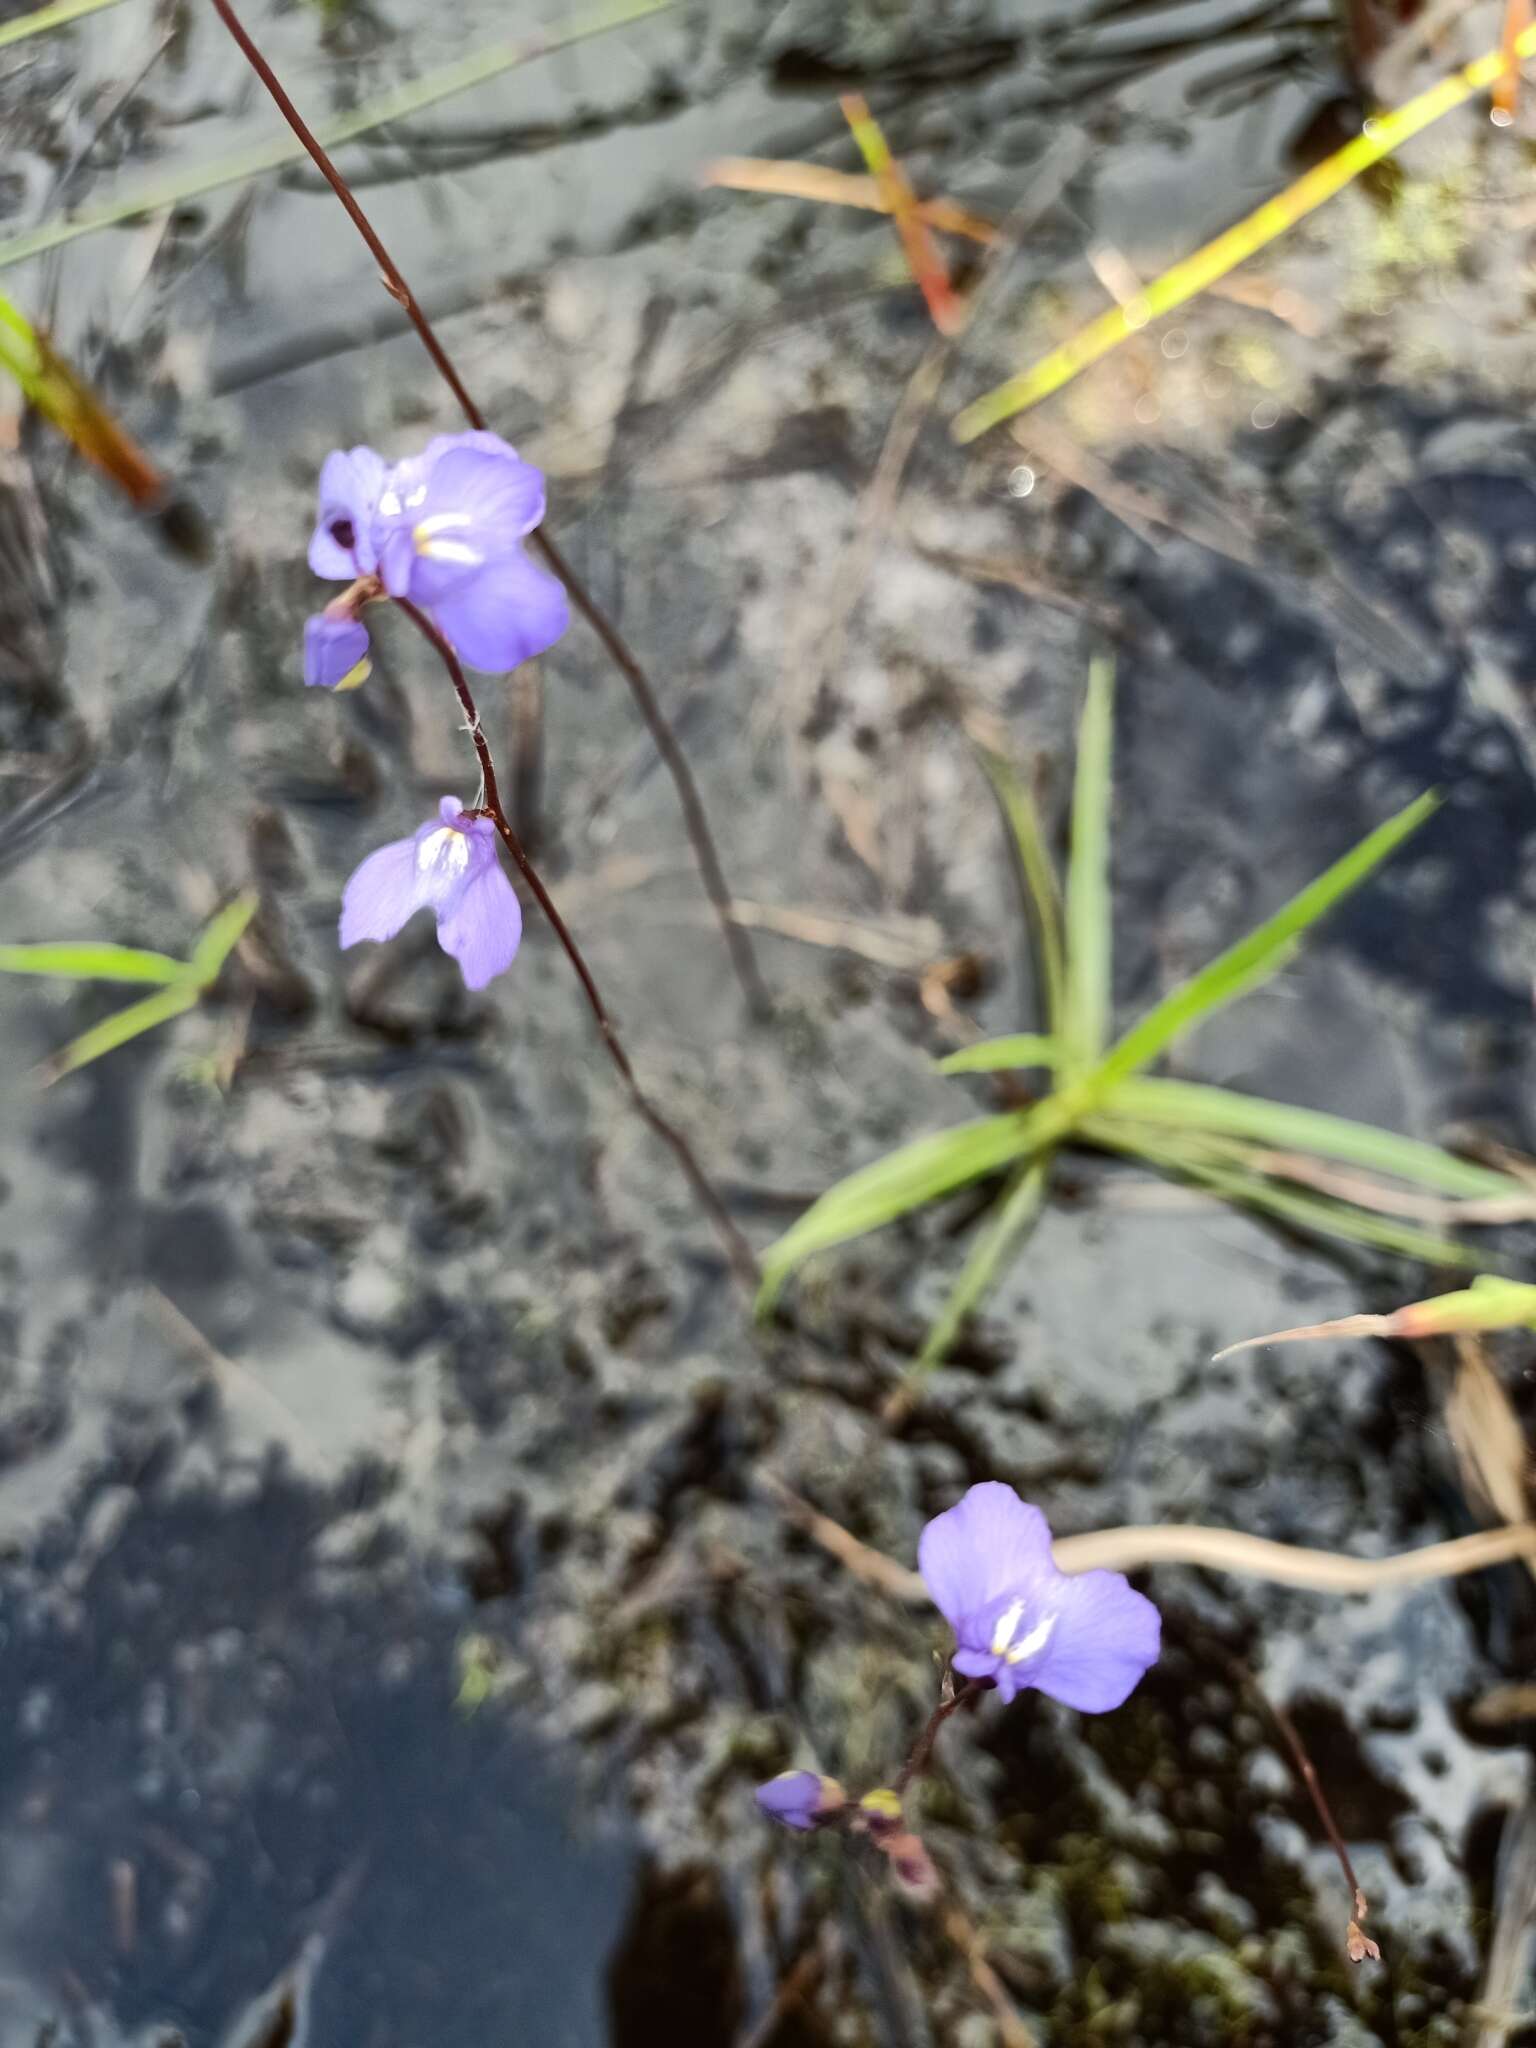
x: 452, y: 511
x: 341, y: 546
x: 1107, y: 1638
x: 381, y: 894
x: 511, y: 611
x: 990, y: 1543
x: 335, y: 653
x: 483, y: 928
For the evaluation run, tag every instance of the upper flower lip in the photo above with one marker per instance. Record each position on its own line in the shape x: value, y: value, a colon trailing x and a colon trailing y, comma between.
x: 1086, y: 1639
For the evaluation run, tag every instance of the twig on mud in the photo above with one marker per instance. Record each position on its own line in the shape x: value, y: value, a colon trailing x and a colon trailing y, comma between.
x: 225, y: 1372
x: 740, y: 1253
x: 1357, y: 1943
x: 695, y: 818
x: 815, y: 1962
x: 972, y: 1945
x: 792, y: 180
x: 1498, y: 2009
x: 1223, y: 1550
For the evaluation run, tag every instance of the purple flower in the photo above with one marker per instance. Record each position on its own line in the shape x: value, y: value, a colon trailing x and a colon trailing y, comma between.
x: 1085, y: 1638
x: 335, y: 652
x: 800, y: 1799
x: 448, y: 866
x: 342, y: 547
x: 445, y: 529
x: 448, y: 534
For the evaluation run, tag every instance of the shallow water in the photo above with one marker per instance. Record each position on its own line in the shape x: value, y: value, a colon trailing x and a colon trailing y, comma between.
x: 355, y: 1337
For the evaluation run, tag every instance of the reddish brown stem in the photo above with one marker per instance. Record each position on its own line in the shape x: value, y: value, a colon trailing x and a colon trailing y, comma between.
x: 737, y: 1249
x: 917, y: 1762
x: 695, y: 818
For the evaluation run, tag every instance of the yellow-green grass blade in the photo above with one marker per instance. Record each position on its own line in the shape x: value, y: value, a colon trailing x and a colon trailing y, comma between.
x: 1085, y: 1020
x: 92, y: 962
x: 1192, y: 1106
x: 220, y: 937
x: 1382, y: 134
x: 1223, y: 1172
x: 1014, y: 1215
x: 400, y: 104
x: 1488, y: 1304
x: 1263, y: 952
x: 117, y: 1029
x: 994, y: 1055
x: 901, y: 1181
x: 41, y: 19
x: 1039, y: 876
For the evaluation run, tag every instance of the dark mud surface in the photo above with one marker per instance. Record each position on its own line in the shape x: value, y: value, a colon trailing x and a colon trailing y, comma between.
x: 396, y: 1618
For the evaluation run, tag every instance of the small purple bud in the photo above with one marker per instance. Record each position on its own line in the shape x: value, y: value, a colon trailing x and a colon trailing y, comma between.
x: 801, y: 1799
x: 335, y: 653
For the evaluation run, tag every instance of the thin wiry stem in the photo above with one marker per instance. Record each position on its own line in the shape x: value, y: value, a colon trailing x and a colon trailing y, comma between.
x: 695, y: 818
x: 737, y: 1249
x: 917, y: 1762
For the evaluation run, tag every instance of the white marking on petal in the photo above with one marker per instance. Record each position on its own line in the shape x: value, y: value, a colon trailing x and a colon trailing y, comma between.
x: 445, y: 853
x: 389, y: 504
x: 417, y: 497
x: 448, y: 551
x: 1034, y: 1642
x: 1007, y: 1622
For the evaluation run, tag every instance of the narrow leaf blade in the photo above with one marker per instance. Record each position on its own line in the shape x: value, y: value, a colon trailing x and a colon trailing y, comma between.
x: 1039, y: 878
x: 92, y: 962
x: 902, y: 1180
x: 1241, y: 1185
x: 997, y: 1055
x: 1488, y: 1304
x: 117, y: 1029
x: 1085, y: 1025
x: 220, y: 937
x: 1190, y: 1105
x: 1010, y: 1221
x: 1262, y: 952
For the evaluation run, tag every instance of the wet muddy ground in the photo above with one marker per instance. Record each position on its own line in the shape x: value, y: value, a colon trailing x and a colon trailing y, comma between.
x: 396, y: 1615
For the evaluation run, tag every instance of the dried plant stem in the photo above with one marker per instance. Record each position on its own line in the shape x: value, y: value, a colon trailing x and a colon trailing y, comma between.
x: 1358, y: 1944
x: 695, y: 818
x: 1222, y: 1550
x: 737, y: 1249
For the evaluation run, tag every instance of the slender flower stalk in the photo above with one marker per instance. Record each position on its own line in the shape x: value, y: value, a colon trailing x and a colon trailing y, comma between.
x: 740, y: 1253
x: 695, y: 817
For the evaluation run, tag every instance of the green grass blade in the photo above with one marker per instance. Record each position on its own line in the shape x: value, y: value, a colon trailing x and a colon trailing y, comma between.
x: 117, y: 1029
x: 1188, y: 1105
x: 1189, y: 1159
x: 92, y: 962
x: 1085, y: 1023
x: 1039, y: 877
x: 902, y: 1180
x: 1005, y: 1228
x: 1263, y: 952
x: 399, y: 104
x: 41, y: 19
x: 994, y: 1055
x: 220, y: 937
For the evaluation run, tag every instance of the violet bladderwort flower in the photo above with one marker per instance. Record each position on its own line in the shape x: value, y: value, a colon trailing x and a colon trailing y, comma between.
x: 449, y: 866
x: 1084, y: 1638
x: 443, y: 529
